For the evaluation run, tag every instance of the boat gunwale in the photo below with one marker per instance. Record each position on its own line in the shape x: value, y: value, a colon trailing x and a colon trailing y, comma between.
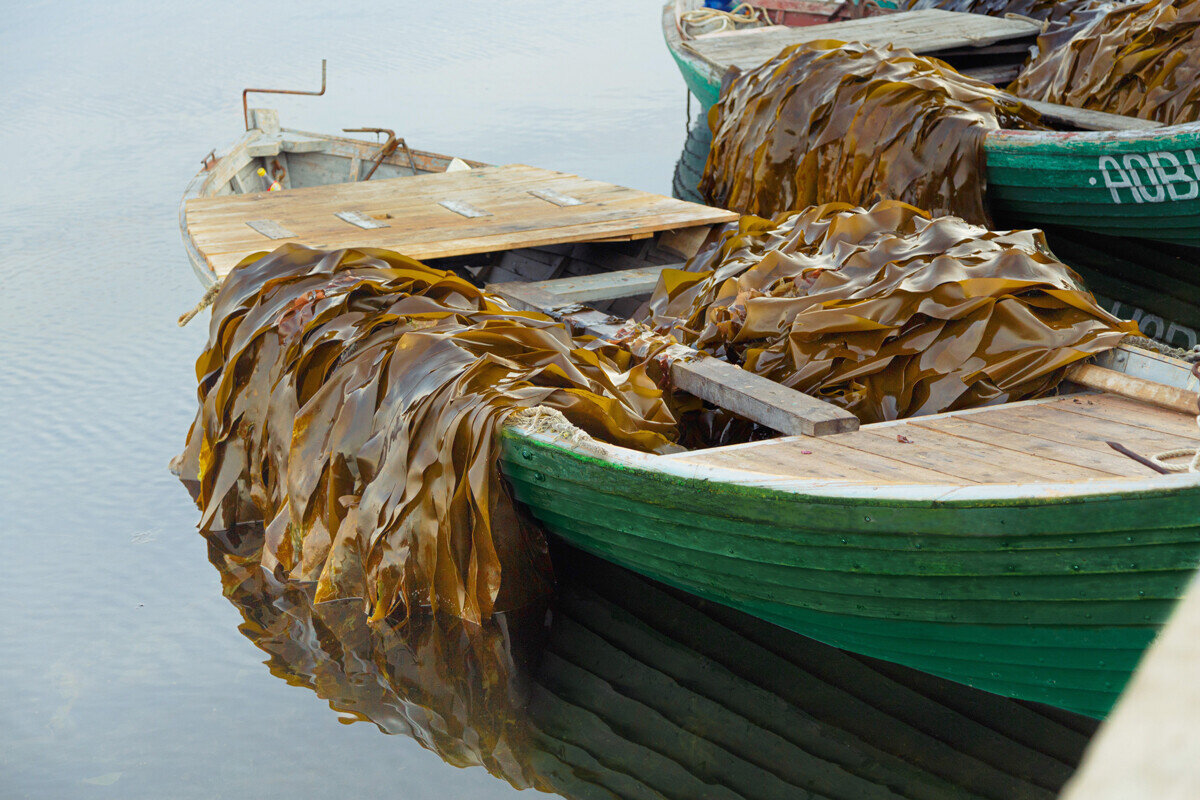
x: 859, y: 492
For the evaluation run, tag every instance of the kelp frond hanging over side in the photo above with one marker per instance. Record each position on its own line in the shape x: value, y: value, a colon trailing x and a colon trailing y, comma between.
x: 1140, y: 60
x: 350, y: 400
x: 887, y: 312
x: 832, y: 122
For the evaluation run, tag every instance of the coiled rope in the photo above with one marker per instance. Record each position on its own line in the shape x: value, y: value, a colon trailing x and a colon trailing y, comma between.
x: 742, y: 14
x: 1190, y: 453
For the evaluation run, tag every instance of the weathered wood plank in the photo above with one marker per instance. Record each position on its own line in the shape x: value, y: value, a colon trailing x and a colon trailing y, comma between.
x: 420, y: 225
x: 928, y: 31
x: 602, y: 286
x: 817, y: 457
x: 1150, y: 392
x: 711, y: 379
x: 1089, y: 120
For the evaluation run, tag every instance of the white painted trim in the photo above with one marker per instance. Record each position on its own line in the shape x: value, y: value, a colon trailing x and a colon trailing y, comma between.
x: 851, y: 491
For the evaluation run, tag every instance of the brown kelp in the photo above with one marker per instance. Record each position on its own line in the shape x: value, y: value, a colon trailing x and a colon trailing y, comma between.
x: 1140, y: 60
x: 887, y: 311
x: 351, y: 399
x: 832, y: 122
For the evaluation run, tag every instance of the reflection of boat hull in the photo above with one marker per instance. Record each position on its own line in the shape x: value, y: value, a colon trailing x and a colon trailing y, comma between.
x: 1046, y: 593
x: 679, y: 697
x: 643, y: 693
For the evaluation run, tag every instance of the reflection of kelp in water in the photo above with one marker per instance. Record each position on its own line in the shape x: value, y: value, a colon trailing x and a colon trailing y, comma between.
x: 642, y: 692
x: 827, y: 122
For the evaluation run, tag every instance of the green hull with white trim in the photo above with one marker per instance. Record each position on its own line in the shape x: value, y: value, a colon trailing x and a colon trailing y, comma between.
x: 1048, y: 596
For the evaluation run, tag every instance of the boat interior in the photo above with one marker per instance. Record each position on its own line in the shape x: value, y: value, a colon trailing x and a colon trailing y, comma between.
x: 1111, y: 415
x: 551, y: 242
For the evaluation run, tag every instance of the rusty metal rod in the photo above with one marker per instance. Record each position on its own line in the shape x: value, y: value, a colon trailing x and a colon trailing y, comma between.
x: 1141, y: 459
x: 246, y: 107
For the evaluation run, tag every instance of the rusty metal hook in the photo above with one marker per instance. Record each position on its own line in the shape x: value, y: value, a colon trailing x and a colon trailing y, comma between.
x: 387, y: 149
x: 246, y: 108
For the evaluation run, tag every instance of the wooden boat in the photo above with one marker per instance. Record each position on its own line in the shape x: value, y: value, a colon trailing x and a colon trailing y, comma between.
x: 339, y: 191
x: 1102, y: 173
x: 1009, y: 547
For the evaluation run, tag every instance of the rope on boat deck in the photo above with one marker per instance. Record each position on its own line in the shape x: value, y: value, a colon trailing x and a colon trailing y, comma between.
x: 1183, y: 452
x: 742, y: 14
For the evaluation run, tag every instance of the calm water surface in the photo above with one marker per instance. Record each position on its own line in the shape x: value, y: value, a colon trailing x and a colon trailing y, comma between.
x: 138, y: 660
x: 122, y: 669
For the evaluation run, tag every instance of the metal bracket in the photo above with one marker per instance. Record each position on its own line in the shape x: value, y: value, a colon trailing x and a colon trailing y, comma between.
x: 246, y: 107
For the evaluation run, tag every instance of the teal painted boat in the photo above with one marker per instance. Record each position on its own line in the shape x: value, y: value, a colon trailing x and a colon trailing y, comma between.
x: 1008, y: 548
x: 1134, y: 183
x: 1139, y: 189
x: 1142, y: 182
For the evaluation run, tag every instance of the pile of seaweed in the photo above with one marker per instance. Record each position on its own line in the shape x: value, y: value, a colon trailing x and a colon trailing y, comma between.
x: 830, y: 122
x: 350, y: 400
x: 887, y: 312
x: 1052, y: 11
x: 1140, y: 60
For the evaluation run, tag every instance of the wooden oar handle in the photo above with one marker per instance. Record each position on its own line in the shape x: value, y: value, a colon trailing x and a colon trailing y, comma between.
x: 1157, y: 394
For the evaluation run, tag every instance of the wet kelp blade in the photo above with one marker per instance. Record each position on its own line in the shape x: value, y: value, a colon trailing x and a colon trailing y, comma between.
x: 833, y: 122
x: 886, y: 311
x: 351, y: 400
x: 1139, y: 60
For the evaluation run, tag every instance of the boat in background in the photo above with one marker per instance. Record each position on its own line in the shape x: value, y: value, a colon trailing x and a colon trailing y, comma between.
x: 1134, y: 182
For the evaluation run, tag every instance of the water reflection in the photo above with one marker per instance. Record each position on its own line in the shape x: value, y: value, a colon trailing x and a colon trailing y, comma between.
x: 623, y: 688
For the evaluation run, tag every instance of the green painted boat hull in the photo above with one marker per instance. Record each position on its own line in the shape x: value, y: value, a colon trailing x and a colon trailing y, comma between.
x: 1051, y: 599
x: 1142, y: 184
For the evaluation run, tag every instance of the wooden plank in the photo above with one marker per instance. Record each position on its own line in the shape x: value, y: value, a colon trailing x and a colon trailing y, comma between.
x: 755, y: 397
x: 1089, y: 120
x: 1156, y: 394
x: 997, y: 74
x: 985, y: 463
x: 1148, y: 746
x: 817, y: 457
x: 952, y: 463
x: 927, y: 31
x: 602, y: 286
x: 421, y: 228
x: 967, y: 427
x: 711, y: 379
x: 1140, y: 415
x: 1090, y: 433
x: 952, y: 437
